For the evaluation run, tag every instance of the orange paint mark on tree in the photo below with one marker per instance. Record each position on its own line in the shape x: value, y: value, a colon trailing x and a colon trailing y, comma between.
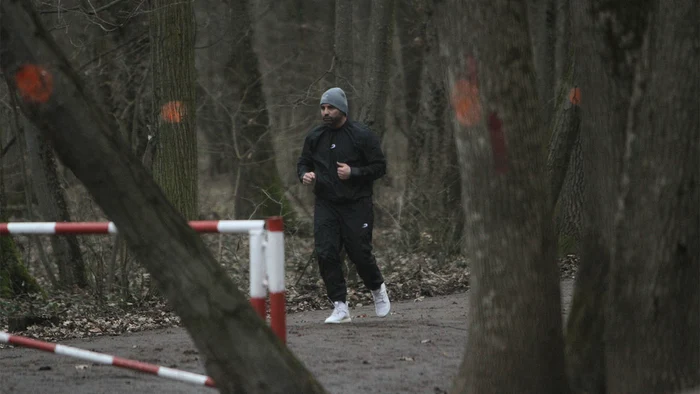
x: 35, y: 83
x: 465, y: 102
x: 575, y: 96
x: 172, y: 112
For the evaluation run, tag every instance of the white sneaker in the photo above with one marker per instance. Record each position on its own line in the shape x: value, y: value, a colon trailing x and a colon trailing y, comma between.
x: 340, y: 314
x: 382, y: 305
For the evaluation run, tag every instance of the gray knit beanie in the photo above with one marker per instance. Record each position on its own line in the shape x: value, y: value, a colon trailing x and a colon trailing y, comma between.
x: 335, y: 97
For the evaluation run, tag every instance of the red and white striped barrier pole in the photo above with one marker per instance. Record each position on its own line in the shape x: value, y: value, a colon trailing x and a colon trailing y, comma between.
x: 201, y: 226
x: 274, y: 262
x: 266, y: 255
x: 100, y: 358
x: 258, y: 293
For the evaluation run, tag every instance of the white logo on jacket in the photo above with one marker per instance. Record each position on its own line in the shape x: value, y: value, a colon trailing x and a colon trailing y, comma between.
x: 332, y: 146
x: 365, y: 225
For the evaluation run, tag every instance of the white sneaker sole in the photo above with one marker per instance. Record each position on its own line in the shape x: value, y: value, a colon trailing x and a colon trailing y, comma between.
x: 383, y: 315
x: 345, y: 320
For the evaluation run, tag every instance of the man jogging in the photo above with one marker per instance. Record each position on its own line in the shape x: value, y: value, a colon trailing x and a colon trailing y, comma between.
x: 342, y: 158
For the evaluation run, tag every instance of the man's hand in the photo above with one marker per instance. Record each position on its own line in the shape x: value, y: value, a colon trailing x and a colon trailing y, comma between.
x: 343, y: 171
x: 308, y: 178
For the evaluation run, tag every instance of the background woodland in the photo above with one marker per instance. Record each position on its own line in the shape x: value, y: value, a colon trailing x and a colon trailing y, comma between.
x: 517, y: 134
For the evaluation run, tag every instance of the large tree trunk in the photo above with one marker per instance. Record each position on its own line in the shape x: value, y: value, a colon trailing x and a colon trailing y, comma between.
x: 52, y: 203
x: 564, y: 158
x: 15, y: 279
x: 601, y: 153
x: 541, y: 28
x: 375, y: 76
x: 258, y: 188
x: 175, y: 166
x: 377, y: 64
x: 214, y: 117
x: 569, y: 208
x: 515, y: 340
x: 653, y: 322
x: 241, y: 353
x: 432, y: 191
x: 411, y: 21
x: 640, y: 146
x: 343, y: 48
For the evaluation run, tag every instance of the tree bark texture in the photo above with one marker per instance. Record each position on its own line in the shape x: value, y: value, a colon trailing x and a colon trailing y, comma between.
x: 641, y: 62
x: 565, y: 134
x: 343, y: 48
x: 563, y: 55
x: 214, y: 94
x: 378, y: 60
x: 241, y: 353
x: 15, y: 279
x: 564, y: 159
x: 412, y: 18
x: 51, y: 199
x: 653, y: 322
x: 175, y: 167
x: 515, y: 339
x: 259, y: 190
x: 601, y: 154
x: 542, y: 25
x: 569, y: 208
x: 432, y: 194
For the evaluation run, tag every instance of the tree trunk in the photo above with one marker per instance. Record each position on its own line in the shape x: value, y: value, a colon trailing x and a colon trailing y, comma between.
x: 565, y: 158
x: 601, y: 152
x: 51, y: 198
x: 515, y: 340
x: 214, y: 95
x: 563, y: 54
x: 653, y: 320
x: 175, y: 166
x: 564, y: 162
x: 258, y: 189
x: 241, y: 353
x: 412, y: 19
x: 15, y: 279
x: 376, y: 75
x: 568, y: 211
x: 432, y: 161
x: 343, y: 48
x: 361, y: 17
x: 542, y: 24
x: 565, y: 134
x: 640, y: 146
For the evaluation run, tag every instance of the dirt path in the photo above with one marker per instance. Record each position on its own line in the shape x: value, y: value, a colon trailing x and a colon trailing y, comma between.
x: 416, y: 350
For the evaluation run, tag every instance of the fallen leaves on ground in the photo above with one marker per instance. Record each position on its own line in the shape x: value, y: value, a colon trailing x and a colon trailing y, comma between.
x: 409, y: 276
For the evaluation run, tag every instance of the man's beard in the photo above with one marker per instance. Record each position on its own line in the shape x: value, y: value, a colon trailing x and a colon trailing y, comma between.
x: 331, y: 121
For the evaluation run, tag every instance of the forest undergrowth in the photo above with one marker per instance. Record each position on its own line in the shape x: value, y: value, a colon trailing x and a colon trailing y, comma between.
x: 59, y: 315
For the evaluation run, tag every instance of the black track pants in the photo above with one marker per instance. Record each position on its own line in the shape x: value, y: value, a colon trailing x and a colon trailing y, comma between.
x: 349, y: 225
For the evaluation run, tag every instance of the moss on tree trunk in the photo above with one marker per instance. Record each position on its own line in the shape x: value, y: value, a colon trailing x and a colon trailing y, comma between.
x: 15, y: 279
x: 14, y: 276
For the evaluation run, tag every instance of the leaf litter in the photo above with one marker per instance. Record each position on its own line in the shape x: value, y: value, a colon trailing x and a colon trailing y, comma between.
x: 409, y: 276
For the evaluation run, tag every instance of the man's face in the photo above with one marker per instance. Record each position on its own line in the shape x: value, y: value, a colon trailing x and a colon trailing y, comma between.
x: 331, y: 115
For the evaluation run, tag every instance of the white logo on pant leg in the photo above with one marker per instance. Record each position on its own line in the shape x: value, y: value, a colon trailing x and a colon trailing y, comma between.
x: 332, y: 146
x: 365, y: 225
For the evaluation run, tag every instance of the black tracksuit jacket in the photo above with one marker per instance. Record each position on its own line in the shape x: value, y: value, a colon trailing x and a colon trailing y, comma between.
x: 354, y: 144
